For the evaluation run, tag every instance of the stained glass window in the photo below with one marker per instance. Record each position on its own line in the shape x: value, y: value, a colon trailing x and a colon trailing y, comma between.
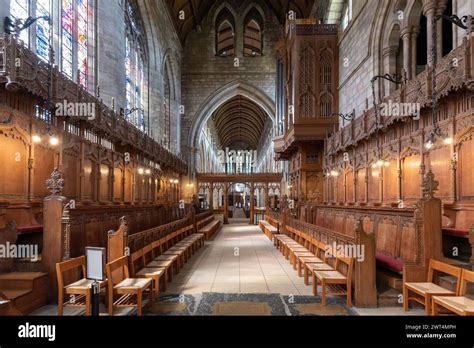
x: 82, y: 40
x: 43, y: 28
x: 134, y: 69
x: 20, y: 9
x: 75, y: 39
x: 67, y: 15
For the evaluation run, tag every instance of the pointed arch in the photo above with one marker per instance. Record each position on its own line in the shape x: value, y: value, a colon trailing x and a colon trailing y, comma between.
x: 225, y: 33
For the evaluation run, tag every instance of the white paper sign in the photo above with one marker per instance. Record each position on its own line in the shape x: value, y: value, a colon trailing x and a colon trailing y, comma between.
x: 95, y: 263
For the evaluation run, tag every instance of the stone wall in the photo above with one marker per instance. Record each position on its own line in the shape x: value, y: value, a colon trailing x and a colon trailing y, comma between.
x: 204, y: 74
x: 364, y: 43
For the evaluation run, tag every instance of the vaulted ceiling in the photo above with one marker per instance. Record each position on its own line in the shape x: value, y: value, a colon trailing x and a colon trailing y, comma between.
x: 196, y: 10
x: 238, y: 122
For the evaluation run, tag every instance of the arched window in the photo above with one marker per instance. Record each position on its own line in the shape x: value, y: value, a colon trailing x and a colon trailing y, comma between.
x: 75, y: 39
x: 135, y: 58
x: 74, y: 29
x: 225, y: 34
x: 326, y: 105
x: 43, y: 28
x: 253, y: 37
x: 347, y: 15
x: 20, y: 9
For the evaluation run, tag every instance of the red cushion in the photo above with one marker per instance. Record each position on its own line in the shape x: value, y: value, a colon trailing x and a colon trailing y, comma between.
x: 389, y: 262
x: 457, y: 232
x: 30, y: 229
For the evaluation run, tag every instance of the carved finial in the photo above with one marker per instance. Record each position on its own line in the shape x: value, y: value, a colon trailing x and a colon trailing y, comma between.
x: 430, y: 185
x: 55, y: 183
x: 123, y: 222
x: 470, y: 24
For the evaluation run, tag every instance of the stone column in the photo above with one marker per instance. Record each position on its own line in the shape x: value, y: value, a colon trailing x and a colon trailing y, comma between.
x: 414, y: 38
x: 390, y: 67
x: 439, y: 29
x: 429, y: 9
x: 407, y: 54
x: 252, y: 204
x: 211, y: 196
x: 265, y: 195
x: 226, y: 203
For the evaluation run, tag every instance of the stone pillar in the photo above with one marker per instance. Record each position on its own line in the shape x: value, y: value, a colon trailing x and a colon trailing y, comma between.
x: 226, y: 203
x: 211, y: 196
x: 390, y: 67
x: 414, y: 38
x: 252, y: 204
x: 429, y: 8
x: 52, y: 230
x: 407, y: 54
x: 439, y: 29
x: 265, y: 196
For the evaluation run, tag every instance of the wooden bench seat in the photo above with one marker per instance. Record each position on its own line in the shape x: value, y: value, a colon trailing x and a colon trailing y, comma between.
x: 125, y: 291
x: 80, y: 291
x: 268, y: 229
x: 422, y: 292
x: 209, y: 229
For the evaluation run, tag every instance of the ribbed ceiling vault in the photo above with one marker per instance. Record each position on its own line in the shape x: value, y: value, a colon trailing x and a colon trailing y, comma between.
x: 239, y: 121
x: 196, y: 10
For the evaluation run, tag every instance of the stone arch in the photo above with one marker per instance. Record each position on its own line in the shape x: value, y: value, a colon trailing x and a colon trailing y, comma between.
x: 168, y: 67
x: 219, y: 97
x: 414, y: 10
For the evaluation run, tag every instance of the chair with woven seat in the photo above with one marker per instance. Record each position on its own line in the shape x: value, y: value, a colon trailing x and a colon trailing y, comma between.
x: 138, y: 270
x: 423, y: 292
x: 461, y: 304
x: 80, y: 291
x: 125, y: 291
x: 339, y: 280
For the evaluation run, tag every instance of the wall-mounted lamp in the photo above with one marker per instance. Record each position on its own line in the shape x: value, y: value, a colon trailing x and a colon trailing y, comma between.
x: 48, y: 133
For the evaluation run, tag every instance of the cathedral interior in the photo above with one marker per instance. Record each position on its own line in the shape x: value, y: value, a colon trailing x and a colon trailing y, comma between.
x: 236, y: 157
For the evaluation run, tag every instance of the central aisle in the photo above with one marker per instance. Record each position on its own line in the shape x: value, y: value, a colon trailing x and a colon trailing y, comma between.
x: 240, y: 259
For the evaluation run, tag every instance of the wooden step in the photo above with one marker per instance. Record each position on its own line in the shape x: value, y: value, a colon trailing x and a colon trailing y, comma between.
x: 26, y: 290
x: 388, y: 279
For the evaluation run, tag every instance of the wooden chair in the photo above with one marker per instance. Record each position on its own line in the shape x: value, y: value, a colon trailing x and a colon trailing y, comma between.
x: 461, y: 305
x: 138, y: 270
x: 129, y: 290
x: 80, y: 291
x: 338, y: 281
x: 328, y: 262
x: 423, y: 292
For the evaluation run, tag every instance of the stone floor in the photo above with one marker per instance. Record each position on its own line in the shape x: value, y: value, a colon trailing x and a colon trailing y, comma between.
x: 240, y: 259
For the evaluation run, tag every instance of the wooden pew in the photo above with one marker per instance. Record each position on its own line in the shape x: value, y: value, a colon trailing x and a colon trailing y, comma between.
x: 79, y: 291
x: 159, y: 252
x: 406, y: 238
x: 355, y: 236
x: 210, y: 229
x: 125, y: 291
